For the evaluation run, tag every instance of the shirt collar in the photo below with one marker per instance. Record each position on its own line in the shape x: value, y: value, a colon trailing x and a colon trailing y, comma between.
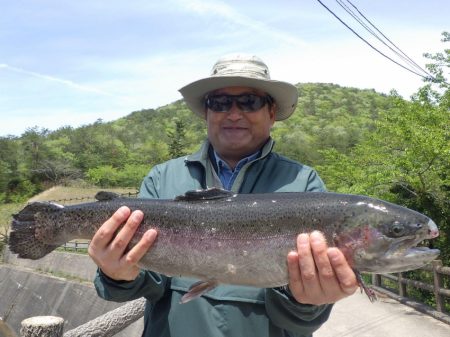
x: 203, y: 154
x: 221, y: 163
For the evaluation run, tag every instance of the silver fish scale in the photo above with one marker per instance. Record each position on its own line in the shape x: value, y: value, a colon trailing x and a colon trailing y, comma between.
x: 261, y: 217
x: 237, y: 239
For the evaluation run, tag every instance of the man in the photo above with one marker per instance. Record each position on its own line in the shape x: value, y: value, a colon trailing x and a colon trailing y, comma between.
x: 240, y: 104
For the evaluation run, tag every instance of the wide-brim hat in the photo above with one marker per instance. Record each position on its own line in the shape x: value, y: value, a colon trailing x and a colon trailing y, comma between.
x: 243, y: 71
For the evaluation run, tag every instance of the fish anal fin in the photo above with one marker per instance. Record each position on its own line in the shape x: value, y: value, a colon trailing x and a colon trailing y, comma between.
x: 367, y: 290
x: 106, y: 196
x: 207, y: 194
x: 198, y: 289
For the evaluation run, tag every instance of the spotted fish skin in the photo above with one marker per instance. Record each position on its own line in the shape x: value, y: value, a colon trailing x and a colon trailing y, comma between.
x: 239, y: 238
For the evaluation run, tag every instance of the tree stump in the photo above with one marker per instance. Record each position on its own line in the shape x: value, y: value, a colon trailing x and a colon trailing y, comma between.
x: 42, y: 326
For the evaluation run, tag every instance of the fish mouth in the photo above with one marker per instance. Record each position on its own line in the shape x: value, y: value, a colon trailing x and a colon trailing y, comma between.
x: 409, y: 259
x: 403, y: 254
x: 413, y: 258
x: 401, y: 246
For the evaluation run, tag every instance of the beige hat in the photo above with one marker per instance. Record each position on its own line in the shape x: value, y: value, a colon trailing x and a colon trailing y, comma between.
x: 244, y: 71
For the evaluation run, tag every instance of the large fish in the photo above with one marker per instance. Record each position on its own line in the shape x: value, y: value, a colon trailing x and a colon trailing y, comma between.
x: 220, y: 237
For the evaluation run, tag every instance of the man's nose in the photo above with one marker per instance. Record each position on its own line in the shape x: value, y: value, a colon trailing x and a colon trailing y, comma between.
x: 235, y: 113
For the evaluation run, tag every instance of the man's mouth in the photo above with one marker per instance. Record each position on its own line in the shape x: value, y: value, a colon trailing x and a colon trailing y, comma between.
x: 234, y: 128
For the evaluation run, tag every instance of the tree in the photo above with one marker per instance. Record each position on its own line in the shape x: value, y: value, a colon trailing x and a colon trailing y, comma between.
x: 9, y: 163
x: 177, y: 143
x: 406, y: 158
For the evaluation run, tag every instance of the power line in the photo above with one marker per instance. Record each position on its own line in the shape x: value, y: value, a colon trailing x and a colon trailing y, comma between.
x: 404, y: 57
x: 370, y: 45
x: 410, y: 61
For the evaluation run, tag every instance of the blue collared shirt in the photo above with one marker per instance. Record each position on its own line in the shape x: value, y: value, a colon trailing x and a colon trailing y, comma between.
x: 227, y: 175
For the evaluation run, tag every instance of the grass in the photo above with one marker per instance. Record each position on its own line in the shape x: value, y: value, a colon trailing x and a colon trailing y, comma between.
x: 73, y: 195
x: 61, y: 275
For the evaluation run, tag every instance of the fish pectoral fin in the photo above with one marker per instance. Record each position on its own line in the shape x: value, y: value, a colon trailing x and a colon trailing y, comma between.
x: 367, y: 290
x: 106, y: 196
x: 198, y: 289
x: 208, y: 194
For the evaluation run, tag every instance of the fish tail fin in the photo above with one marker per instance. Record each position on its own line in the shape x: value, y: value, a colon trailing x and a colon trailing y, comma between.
x: 23, y: 239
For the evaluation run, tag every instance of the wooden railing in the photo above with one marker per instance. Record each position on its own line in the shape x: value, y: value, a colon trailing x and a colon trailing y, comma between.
x: 76, y: 245
x: 438, y: 272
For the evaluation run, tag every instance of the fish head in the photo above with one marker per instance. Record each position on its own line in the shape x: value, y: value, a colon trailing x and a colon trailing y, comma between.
x: 385, y: 239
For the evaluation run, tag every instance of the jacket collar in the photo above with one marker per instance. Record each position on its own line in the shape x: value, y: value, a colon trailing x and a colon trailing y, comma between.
x: 202, y: 155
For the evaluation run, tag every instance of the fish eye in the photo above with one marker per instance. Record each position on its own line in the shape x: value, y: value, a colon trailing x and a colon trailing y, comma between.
x: 397, y: 230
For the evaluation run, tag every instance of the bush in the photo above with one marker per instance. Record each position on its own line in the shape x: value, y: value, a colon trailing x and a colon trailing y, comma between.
x: 130, y: 175
x: 103, y: 176
x: 19, y: 191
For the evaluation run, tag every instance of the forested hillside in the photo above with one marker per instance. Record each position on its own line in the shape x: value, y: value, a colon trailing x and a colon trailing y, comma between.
x: 121, y: 152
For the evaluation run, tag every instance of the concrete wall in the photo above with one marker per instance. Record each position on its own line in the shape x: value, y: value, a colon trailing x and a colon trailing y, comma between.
x: 25, y: 293
x: 70, y: 264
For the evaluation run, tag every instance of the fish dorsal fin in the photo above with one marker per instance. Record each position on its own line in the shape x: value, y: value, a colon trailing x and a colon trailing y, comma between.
x: 208, y: 194
x: 106, y: 196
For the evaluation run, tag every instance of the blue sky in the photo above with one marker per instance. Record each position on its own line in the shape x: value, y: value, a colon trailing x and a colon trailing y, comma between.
x: 73, y: 62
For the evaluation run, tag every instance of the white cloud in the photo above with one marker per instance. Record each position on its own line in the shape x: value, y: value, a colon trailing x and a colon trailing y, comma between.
x: 216, y: 8
x: 56, y: 79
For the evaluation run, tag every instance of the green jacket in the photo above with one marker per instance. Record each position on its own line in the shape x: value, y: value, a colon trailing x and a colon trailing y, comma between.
x: 226, y: 310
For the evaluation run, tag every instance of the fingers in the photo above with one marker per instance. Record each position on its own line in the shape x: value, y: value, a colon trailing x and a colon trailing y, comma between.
x: 123, y: 237
x: 345, y: 275
x: 138, y: 251
x: 295, y: 277
x: 310, y: 277
x: 318, y: 274
x: 107, y: 231
x: 109, y: 244
x: 326, y: 274
x: 306, y: 262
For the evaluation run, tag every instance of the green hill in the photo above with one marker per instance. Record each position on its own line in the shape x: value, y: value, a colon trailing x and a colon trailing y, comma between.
x: 121, y: 152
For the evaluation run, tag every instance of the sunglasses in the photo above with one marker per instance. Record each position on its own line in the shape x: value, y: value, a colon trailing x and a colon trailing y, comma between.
x: 245, y: 102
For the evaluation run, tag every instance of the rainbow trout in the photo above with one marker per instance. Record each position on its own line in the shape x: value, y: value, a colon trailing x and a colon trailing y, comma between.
x: 220, y: 237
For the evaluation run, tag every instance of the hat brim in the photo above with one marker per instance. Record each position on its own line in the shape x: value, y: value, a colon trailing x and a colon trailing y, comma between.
x: 284, y: 94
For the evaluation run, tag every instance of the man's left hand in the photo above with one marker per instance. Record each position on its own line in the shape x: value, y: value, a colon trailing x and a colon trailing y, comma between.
x: 318, y: 274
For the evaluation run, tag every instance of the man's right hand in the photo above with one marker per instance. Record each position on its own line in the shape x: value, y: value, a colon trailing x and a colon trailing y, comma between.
x: 108, y: 249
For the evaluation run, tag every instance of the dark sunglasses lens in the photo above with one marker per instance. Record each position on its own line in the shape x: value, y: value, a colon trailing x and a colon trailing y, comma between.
x: 245, y: 102
x: 250, y: 102
x: 220, y: 103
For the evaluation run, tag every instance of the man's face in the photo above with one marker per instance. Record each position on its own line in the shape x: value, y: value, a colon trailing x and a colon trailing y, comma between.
x: 236, y: 134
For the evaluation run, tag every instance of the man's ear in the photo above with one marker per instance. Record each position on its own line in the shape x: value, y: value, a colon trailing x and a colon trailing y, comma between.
x: 273, y: 112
